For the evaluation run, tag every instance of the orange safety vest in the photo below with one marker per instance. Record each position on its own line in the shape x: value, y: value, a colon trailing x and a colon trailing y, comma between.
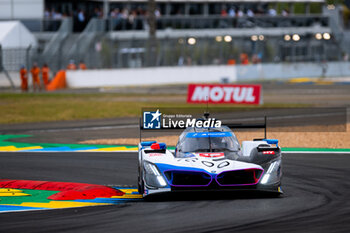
x: 71, y: 67
x: 45, y: 73
x: 35, y: 74
x: 82, y: 66
x: 24, y: 79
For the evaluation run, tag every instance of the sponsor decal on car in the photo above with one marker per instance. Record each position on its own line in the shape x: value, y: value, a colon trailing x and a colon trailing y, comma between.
x: 155, y: 154
x: 223, y: 93
x: 188, y: 155
x: 208, y: 134
x: 212, y: 155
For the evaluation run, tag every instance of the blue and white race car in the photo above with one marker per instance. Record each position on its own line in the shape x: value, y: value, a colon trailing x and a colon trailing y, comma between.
x: 210, y: 159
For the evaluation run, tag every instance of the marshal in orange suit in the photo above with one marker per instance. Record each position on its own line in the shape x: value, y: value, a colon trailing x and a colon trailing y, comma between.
x: 45, y: 74
x: 24, y: 78
x: 35, y: 71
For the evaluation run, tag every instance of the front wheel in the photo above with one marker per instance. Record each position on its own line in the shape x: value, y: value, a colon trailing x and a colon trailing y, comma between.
x: 140, y: 184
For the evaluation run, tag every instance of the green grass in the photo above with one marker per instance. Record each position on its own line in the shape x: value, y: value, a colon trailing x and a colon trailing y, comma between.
x: 45, y: 107
x: 39, y: 196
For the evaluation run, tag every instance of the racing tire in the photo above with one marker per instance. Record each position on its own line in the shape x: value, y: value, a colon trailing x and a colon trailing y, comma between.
x: 140, y: 183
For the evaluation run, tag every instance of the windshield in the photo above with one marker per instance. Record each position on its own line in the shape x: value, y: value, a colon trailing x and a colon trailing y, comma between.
x: 208, y: 142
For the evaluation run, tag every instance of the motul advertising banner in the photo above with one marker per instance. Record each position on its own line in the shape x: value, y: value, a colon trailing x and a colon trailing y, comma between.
x: 224, y: 93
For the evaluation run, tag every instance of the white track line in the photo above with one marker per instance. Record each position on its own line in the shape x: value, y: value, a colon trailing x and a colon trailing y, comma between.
x: 84, y: 128
x: 135, y: 151
x: 315, y: 152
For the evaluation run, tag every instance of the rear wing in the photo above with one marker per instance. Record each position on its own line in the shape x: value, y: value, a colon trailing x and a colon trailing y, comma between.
x: 231, y: 126
x: 251, y: 126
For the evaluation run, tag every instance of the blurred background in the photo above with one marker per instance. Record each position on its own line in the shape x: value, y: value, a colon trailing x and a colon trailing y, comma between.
x: 135, y: 33
x: 148, y: 51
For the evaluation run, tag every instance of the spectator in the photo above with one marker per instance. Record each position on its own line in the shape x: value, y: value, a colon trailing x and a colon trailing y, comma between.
x: 81, y: 16
x: 45, y: 74
x: 47, y: 23
x: 24, y: 78
x: 97, y: 13
x: 35, y: 71
x: 116, y: 18
x: 71, y: 65
x: 115, y: 13
x: 47, y: 13
x: 250, y: 13
x: 82, y: 65
x: 81, y: 20
x: 125, y: 13
x: 157, y: 13
x: 285, y: 12
x: 244, y: 59
x: 140, y: 11
x: 255, y: 59
x: 232, y: 12
x: 240, y: 13
x: 57, y: 15
x: 272, y: 12
x: 132, y: 18
x: 223, y: 12
x: 181, y: 61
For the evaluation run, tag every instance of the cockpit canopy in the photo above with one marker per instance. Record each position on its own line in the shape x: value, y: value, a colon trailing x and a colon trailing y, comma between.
x: 220, y: 139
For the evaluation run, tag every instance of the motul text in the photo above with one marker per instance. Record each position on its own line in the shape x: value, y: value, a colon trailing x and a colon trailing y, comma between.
x: 219, y: 93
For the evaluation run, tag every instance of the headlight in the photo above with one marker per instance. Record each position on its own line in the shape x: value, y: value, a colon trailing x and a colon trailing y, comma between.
x: 272, y: 174
x: 151, y: 169
x: 153, y: 176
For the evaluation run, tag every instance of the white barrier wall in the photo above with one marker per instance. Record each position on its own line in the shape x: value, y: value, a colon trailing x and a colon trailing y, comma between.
x: 149, y: 76
x: 292, y: 70
x: 4, y: 82
x: 196, y: 74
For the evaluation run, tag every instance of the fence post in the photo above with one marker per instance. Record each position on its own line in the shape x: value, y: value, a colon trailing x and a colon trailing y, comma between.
x: 2, y: 69
x: 27, y: 57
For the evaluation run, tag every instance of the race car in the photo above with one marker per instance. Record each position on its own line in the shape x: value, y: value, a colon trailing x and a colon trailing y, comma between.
x: 210, y: 159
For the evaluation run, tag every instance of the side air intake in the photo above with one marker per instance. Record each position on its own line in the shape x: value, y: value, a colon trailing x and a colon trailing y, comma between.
x: 239, y: 177
x: 187, y: 178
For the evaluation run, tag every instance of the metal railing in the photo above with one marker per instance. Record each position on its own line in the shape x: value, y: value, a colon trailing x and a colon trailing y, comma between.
x: 53, y: 48
x: 98, y: 50
x: 81, y: 46
x: 40, y: 25
x: 14, y: 58
x: 187, y: 22
x: 213, y: 22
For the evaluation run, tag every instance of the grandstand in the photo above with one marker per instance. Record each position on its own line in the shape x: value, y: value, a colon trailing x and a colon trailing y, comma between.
x: 115, y: 33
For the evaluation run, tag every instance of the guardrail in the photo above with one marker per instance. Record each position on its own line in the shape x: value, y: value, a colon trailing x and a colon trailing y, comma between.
x: 214, y: 22
x: 190, y: 22
x: 52, y: 51
x: 82, y: 44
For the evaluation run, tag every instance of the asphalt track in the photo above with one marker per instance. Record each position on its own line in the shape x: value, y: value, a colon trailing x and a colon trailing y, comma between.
x: 76, y: 131
x: 316, y: 199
